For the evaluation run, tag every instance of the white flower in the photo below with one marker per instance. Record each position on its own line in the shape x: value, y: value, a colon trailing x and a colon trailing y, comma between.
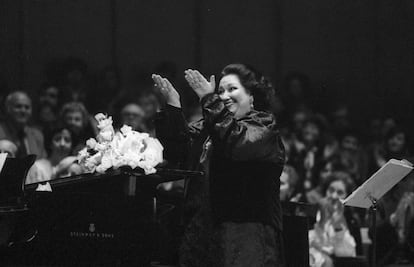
x: 101, y: 147
x: 153, y: 150
x: 91, y: 143
x: 106, y: 130
x: 104, y: 122
x: 106, y: 135
x: 125, y: 148
x: 152, y: 155
x: 83, y: 154
x: 100, y: 116
x: 92, y: 162
x: 105, y: 164
x: 125, y: 130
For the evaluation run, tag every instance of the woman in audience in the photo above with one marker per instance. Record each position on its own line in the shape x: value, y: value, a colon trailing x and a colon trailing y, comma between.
x: 403, y: 222
x: 76, y: 118
x: 60, y: 162
x: 307, y: 152
x: 332, y: 235
x: 351, y: 157
x: 395, y: 146
x: 290, y: 185
x: 60, y: 147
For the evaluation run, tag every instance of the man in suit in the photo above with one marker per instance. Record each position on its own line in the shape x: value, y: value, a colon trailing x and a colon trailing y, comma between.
x: 15, y: 126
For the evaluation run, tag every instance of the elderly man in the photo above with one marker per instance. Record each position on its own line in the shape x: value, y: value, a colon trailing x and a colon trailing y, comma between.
x: 16, y: 129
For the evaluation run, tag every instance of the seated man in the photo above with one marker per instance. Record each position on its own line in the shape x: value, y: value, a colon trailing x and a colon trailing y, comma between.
x: 15, y: 127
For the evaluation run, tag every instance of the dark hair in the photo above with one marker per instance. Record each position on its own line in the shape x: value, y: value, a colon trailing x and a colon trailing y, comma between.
x: 51, y: 133
x: 46, y: 85
x: 342, y: 176
x: 256, y: 84
x: 394, y: 131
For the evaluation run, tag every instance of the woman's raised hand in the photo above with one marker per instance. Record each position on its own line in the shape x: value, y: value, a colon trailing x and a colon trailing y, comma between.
x: 199, y: 84
x: 167, y: 90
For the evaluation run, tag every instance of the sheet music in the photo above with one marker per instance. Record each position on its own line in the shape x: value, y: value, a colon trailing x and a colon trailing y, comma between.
x: 3, y: 157
x: 378, y: 184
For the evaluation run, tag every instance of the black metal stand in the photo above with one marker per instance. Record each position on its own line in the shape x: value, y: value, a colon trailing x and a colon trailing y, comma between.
x: 373, y: 210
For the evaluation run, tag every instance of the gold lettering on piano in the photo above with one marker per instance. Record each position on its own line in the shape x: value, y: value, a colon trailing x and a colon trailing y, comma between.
x: 91, y: 235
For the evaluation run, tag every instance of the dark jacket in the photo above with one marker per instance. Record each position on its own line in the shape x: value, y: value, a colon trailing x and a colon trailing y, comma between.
x: 33, y: 142
x: 244, y: 162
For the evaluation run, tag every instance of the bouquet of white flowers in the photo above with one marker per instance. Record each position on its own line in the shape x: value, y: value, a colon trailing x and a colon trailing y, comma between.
x: 124, y: 148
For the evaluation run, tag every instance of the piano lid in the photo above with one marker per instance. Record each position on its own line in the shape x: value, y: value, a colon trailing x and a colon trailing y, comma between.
x: 161, y: 176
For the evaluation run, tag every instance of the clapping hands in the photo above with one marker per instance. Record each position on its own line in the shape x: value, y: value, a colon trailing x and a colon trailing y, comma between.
x: 199, y: 84
x: 195, y: 79
x: 167, y: 90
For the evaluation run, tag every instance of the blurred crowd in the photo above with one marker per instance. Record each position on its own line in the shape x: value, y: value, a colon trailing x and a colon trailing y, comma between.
x: 328, y: 156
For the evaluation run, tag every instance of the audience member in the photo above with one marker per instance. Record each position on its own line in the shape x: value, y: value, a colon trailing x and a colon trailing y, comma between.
x: 150, y: 103
x: 75, y: 116
x: 351, y: 157
x: 307, y: 153
x: 325, y: 158
x: 290, y: 186
x: 15, y: 127
x: 332, y: 234
x: 133, y: 115
x: 47, y: 111
x: 60, y: 159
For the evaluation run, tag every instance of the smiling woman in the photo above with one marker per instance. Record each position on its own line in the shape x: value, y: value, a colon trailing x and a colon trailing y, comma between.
x: 246, y: 88
x: 234, y: 214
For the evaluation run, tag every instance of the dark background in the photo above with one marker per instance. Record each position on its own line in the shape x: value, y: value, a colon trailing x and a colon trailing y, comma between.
x: 356, y: 52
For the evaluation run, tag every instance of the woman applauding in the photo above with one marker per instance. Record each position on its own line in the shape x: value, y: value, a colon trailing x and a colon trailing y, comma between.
x: 243, y: 157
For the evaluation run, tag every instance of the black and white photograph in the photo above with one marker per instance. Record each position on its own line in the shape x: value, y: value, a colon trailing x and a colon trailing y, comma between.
x: 207, y: 133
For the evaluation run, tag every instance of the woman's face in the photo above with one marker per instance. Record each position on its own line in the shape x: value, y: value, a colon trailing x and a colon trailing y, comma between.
x: 50, y: 96
x: 74, y: 120
x: 396, y: 143
x: 336, y: 191
x: 326, y: 172
x: 235, y: 97
x: 350, y: 143
x: 310, y: 133
x: 62, y: 142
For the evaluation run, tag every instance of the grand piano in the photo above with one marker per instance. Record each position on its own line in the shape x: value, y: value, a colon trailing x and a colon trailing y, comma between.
x: 105, y: 219
x: 90, y: 219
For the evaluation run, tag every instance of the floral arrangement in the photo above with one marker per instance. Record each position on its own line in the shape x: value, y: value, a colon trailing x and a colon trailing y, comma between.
x: 113, y: 149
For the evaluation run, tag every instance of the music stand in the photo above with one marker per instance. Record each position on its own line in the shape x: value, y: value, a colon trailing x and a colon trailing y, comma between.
x: 367, y: 195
